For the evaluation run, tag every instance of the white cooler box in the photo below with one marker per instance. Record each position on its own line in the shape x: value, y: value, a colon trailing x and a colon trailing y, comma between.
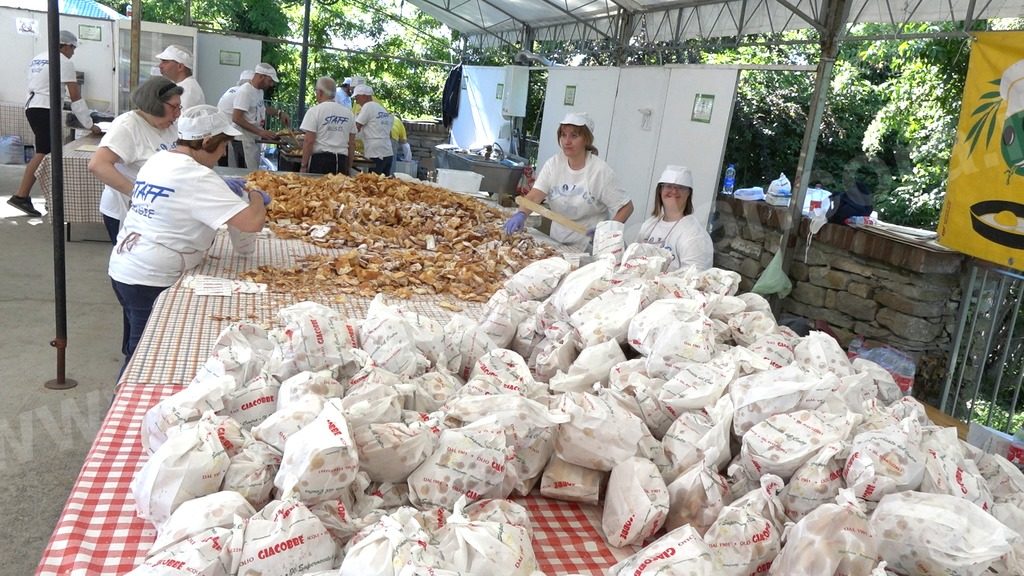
x: 459, y: 180
x: 411, y: 167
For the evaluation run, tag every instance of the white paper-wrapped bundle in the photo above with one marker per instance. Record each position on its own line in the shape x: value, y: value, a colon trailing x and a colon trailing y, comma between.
x: 920, y: 533
x: 464, y: 344
x: 591, y: 366
x: 319, y: 461
x: 472, y: 461
x: 582, y: 285
x: 286, y: 538
x: 680, y: 343
x: 503, y: 315
x: 251, y: 403
x: 784, y: 442
x: 718, y: 281
x: 681, y: 551
x: 391, y: 340
x: 763, y: 394
x: 776, y: 348
x: 251, y: 472
x: 538, y: 279
x: 700, y: 434
x: 320, y: 383
x: 816, y: 482
x: 747, y: 535
x: 431, y: 390
x: 276, y: 429
x: 481, y: 547
x: 609, y: 239
x: 390, y: 451
x: 947, y: 471
x: 241, y: 351
x: 599, y: 434
x: 383, y: 549
x: 819, y: 353
x: 832, y: 539
x: 564, y: 481
x: 502, y: 371
x: 217, y: 510
x: 229, y: 432
x: 353, y: 511
x: 647, y: 327
x: 885, y: 461
x: 607, y: 317
x: 697, y: 497
x: 211, y: 552
x: 377, y: 399
x: 1004, y: 479
x: 314, y: 337
x: 188, y: 465
x: 749, y: 327
x: 636, y: 503
x: 699, y: 384
x: 184, y: 406
x: 556, y: 352
x: 639, y: 395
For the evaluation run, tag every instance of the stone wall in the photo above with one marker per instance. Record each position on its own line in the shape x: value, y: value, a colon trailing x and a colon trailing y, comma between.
x: 423, y: 136
x: 902, y: 293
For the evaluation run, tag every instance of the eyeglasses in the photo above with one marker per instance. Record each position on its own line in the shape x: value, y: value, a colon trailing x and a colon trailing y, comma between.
x: 173, y: 106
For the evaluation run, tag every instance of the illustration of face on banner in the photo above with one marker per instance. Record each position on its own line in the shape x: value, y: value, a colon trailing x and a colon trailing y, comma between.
x: 983, y: 214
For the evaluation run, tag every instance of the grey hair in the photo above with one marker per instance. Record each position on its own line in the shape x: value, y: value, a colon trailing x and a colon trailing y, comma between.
x: 151, y: 95
x: 327, y: 85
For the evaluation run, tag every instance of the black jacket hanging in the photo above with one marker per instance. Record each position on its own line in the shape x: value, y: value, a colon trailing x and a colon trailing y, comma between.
x: 450, y: 96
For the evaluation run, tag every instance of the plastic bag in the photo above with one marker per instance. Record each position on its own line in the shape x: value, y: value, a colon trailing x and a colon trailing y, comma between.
x: 773, y: 280
x: 833, y: 539
x: 636, y: 502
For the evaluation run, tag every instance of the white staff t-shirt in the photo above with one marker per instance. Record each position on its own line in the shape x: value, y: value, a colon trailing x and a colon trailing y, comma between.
x: 376, y: 130
x: 134, y: 140
x: 39, y: 79
x: 332, y: 123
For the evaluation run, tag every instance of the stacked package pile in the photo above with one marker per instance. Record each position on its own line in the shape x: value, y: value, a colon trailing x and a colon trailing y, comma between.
x: 724, y: 442
x: 399, y: 238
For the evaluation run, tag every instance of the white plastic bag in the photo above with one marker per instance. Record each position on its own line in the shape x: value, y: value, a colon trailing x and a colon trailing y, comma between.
x: 539, y: 279
x: 217, y: 510
x: 485, y: 547
x: 320, y: 460
x: 636, y: 503
x: 599, y: 434
x: 681, y: 551
x: 833, y: 539
x: 564, y: 481
x: 285, y: 538
x: 697, y: 497
x: 591, y: 366
x: 609, y: 239
x: 817, y: 482
x: 746, y: 537
x: 607, y: 317
x: 781, y: 444
x: 251, y: 472
x: 700, y: 434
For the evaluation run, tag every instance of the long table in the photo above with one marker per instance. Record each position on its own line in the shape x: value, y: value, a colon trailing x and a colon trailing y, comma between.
x: 98, y: 532
x: 82, y: 190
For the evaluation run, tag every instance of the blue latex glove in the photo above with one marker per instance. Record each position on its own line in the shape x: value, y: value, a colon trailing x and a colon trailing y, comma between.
x: 237, y: 186
x: 590, y: 232
x: 266, y: 197
x: 515, y: 223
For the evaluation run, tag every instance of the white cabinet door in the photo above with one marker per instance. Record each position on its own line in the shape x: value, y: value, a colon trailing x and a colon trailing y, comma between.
x: 687, y: 139
x: 636, y: 127
x: 590, y: 90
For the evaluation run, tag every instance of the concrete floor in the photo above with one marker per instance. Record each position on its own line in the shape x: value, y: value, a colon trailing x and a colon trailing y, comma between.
x: 44, y: 434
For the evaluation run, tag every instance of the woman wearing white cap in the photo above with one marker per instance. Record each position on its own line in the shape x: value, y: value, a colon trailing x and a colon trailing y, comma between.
x: 672, y: 225
x: 132, y: 139
x: 577, y: 184
x: 178, y: 203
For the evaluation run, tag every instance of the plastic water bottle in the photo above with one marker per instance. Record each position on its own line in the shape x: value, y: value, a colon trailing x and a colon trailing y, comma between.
x: 729, y: 183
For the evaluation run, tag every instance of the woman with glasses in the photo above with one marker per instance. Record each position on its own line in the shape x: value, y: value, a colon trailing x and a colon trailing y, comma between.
x: 132, y: 139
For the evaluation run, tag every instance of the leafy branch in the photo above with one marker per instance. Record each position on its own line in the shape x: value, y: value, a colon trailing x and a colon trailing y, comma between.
x: 985, y: 115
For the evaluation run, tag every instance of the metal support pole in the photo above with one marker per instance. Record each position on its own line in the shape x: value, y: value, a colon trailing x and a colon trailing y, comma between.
x: 133, y: 58
x: 300, y: 108
x: 60, y: 341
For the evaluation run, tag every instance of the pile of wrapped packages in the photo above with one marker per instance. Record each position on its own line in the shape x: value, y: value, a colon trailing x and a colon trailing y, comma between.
x: 715, y: 441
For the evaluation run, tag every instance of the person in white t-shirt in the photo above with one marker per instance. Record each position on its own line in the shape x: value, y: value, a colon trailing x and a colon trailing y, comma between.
x: 250, y: 113
x: 374, y: 125
x: 178, y: 203
x: 672, y: 224
x: 329, y: 133
x: 132, y: 138
x: 37, y: 111
x: 576, y: 184
x: 343, y: 95
x: 236, y: 155
x: 176, y: 65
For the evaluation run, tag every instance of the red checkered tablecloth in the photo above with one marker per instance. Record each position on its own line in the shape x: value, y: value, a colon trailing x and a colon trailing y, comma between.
x: 98, y: 532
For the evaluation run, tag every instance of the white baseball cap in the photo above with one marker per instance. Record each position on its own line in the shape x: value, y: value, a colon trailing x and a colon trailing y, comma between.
x: 579, y: 119
x: 177, y: 54
x: 679, y: 175
x: 267, y: 70
x: 68, y: 38
x: 203, y: 121
x: 346, y: 82
x: 246, y: 75
x: 362, y: 90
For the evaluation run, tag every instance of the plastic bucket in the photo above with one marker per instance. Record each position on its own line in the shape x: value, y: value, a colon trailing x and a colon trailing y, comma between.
x: 410, y: 167
x: 459, y: 180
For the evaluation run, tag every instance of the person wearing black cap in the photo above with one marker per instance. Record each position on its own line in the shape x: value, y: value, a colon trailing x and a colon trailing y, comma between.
x: 37, y: 110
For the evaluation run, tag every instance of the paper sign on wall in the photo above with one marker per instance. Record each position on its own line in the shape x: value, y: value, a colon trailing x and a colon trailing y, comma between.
x: 983, y: 213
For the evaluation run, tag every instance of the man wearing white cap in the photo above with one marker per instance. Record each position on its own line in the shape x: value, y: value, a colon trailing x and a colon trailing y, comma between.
x: 226, y: 105
x: 374, y: 125
x: 178, y: 203
x: 176, y: 66
x: 672, y: 225
x: 250, y: 112
x: 576, y: 184
x: 344, y: 94
x: 37, y: 111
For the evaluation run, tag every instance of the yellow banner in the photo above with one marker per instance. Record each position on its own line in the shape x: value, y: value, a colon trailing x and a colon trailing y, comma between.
x: 983, y: 213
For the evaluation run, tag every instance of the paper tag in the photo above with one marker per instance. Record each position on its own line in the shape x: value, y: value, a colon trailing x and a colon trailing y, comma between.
x: 211, y: 286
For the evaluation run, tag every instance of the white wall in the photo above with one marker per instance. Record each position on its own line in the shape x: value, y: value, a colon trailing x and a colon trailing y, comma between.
x: 480, y: 122
x: 93, y: 57
x: 638, y: 149
x: 216, y: 77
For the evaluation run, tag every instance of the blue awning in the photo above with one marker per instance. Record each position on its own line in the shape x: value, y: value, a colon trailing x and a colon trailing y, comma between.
x: 85, y: 8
